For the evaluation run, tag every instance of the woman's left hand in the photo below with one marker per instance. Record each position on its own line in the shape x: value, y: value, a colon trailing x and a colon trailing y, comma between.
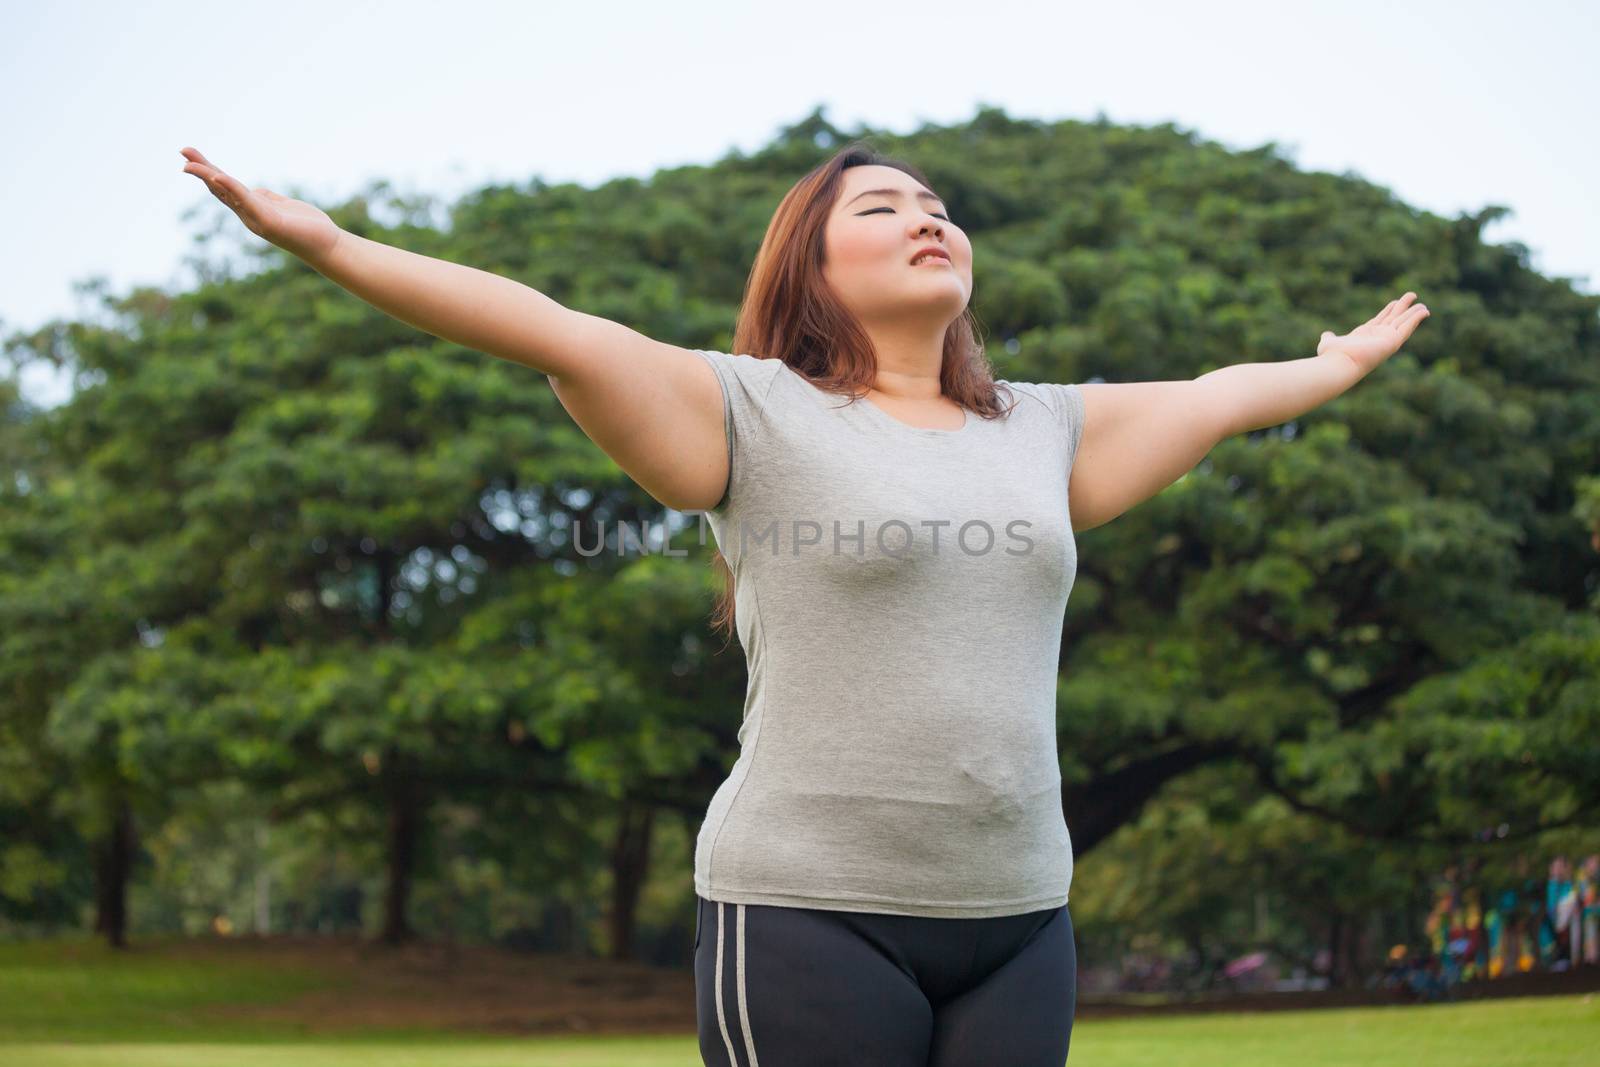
x: 1380, y: 336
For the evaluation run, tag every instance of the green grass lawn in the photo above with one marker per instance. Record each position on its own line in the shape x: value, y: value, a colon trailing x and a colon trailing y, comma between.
x: 88, y: 1007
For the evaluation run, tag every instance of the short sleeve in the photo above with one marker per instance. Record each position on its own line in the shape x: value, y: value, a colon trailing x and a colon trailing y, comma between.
x: 1065, y: 403
x: 745, y: 383
x: 1069, y: 402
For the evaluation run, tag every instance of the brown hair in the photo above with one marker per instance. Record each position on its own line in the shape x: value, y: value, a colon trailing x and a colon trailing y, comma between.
x: 790, y: 313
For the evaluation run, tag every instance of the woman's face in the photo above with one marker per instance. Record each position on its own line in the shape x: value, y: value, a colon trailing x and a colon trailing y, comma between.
x: 871, y: 238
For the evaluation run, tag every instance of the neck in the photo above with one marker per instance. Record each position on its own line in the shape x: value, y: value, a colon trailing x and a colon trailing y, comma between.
x: 910, y: 357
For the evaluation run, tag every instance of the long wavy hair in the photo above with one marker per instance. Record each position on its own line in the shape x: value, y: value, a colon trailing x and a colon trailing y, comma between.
x: 789, y: 312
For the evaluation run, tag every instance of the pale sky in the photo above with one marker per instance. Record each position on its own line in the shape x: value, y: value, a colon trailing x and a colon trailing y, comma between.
x: 1451, y: 106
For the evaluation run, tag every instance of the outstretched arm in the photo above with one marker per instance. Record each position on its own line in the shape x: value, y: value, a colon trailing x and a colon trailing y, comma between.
x: 1140, y: 437
x: 654, y: 408
x: 1253, y: 396
x: 470, y: 307
x: 473, y: 308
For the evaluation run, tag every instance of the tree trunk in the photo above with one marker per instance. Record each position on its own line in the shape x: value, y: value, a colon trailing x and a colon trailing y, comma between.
x: 1095, y: 809
x: 1344, y: 951
x: 405, y: 824
x: 630, y: 863
x: 114, y: 868
x: 1352, y: 953
x: 1335, y: 938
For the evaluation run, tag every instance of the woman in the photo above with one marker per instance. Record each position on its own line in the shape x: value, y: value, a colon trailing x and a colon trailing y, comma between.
x: 883, y: 876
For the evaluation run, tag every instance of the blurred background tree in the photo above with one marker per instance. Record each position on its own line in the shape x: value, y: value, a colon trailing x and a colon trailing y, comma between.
x: 302, y: 626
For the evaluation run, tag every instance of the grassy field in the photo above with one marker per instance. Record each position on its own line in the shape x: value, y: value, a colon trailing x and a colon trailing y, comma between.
x: 184, y: 1005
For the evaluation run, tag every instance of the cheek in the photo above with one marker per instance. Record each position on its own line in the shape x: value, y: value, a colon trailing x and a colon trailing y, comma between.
x: 857, y: 250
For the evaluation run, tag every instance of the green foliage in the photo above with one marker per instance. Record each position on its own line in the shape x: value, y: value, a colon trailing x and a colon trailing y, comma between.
x: 277, y: 538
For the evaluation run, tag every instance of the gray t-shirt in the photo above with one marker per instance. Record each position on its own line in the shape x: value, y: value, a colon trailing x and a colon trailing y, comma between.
x: 899, y: 596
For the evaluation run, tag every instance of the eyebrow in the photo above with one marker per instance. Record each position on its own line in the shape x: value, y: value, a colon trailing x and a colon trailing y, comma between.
x: 892, y: 192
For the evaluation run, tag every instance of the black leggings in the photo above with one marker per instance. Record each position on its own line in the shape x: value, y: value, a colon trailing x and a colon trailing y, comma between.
x: 783, y: 987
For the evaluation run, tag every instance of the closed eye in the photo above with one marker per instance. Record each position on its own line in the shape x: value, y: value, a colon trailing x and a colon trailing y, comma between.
x: 878, y: 209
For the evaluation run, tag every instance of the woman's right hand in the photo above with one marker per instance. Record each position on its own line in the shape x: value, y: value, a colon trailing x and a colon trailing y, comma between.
x: 293, y: 225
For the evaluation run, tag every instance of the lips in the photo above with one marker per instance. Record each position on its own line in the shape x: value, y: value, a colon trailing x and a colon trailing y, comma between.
x: 933, y: 250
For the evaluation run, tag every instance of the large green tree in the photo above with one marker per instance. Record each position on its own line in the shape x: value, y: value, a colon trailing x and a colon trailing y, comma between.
x: 279, y: 538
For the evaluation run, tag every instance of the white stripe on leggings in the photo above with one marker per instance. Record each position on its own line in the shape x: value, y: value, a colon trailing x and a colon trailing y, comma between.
x: 744, y: 1008
x: 744, y: 1011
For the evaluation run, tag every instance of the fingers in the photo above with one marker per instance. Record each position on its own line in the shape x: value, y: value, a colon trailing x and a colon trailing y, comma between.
x: 1412, y: 319
x: 200, y: 164
x: 209, y: 172
x: 226, y: 188
x: 1405, y: 317
x: 1395, y: 309
x: 1398, y: 314
x: 232, y: 194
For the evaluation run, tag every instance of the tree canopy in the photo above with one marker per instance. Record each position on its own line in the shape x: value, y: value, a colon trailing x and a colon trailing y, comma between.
x: 281, y: 544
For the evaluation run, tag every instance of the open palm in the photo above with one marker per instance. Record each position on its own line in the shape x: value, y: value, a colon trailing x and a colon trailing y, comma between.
x: 1380, y: 336
x: 293, y: 225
